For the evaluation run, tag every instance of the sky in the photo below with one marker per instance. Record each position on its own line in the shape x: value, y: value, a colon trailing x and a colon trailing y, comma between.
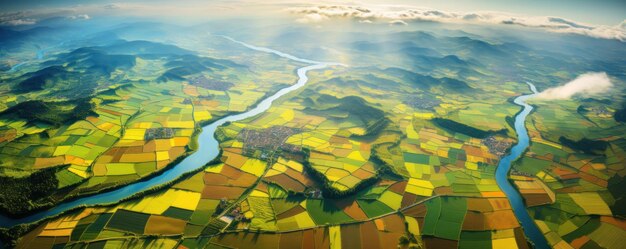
x: 601, y: 12
x: 605, y: 12
x: 605, y: 19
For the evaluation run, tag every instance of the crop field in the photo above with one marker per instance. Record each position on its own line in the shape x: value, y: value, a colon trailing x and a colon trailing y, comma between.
x: 312, y: 171
x: 391, y: 139
x: 281, y: 172
x: 569, y: 181
x: 138, y: 125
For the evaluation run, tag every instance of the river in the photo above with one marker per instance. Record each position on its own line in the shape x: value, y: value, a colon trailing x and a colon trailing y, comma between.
x: 39, y: 55
x: 208, y: 149
x: 504, y: 166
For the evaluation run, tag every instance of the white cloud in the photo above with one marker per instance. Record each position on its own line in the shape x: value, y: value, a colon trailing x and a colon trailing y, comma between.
x: 408, y: 14
x: 587, y: 84
x: 16, y: 18
x: 398, y: 22
x: 311, y: 18
x: 82, y: 16
x: 17, y: 22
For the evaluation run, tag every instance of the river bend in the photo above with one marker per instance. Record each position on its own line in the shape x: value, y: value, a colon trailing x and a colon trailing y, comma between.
x: 208, y: 149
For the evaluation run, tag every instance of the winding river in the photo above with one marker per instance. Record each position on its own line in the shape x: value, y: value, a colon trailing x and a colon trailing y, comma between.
x: 39, y: 55
x: 208, y: 149
x: 504, y: 166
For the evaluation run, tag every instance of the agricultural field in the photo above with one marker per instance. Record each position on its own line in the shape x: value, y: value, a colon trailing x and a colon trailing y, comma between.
x: 323, y: 164
x: 135, y: 124
x: 572, y: 175
x: 315, y: 168
x: 309, y: 126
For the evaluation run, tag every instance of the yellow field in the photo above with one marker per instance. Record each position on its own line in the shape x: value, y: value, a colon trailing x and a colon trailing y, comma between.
x: 120, y: 169
x: 254, y: 166
x: 334, y: 232
x: 186, y: 200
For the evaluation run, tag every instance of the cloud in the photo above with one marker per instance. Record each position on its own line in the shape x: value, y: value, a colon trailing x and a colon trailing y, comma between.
x: 34, y: 16
x: 17, y: 22
x: 587, y: 84
x: 311, y: 18
x: 113, y: 6
x: 408, y: 14
x: 78, y: 17
x: 398, y: 23
x: 16, y: 18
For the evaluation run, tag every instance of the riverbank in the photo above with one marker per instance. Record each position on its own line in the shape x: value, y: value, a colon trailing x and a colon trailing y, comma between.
x: 531, y: 230
x: 208, y: 149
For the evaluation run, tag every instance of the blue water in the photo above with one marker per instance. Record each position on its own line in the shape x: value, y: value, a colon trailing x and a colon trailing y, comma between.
x: 17, y: 66
x: 504, y: 166
x: 208, y: 149
x: 40, y: 54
